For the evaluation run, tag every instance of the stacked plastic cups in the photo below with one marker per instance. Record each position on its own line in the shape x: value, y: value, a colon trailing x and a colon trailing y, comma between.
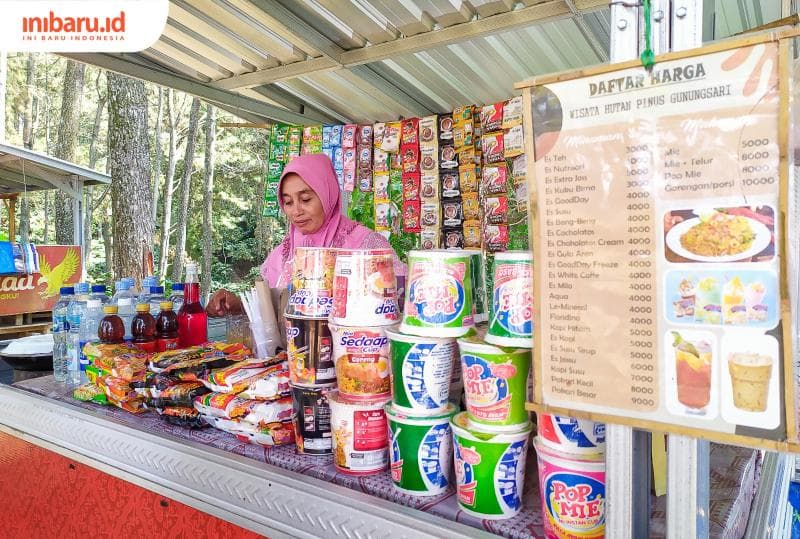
x: 364, y: 311
x: 491, y: 437
x: 571, y: 458
x: 310, y: 348
x: 438, y: 309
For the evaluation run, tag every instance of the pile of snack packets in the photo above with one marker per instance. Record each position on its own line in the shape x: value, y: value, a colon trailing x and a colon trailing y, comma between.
x: 284, y: 144
x: 216, y: 384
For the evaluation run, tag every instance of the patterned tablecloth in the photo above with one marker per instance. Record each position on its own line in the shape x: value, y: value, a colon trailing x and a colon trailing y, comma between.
x: 733, y: 475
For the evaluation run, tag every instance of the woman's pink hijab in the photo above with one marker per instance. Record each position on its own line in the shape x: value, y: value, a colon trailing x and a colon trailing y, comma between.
x: 337, y: 230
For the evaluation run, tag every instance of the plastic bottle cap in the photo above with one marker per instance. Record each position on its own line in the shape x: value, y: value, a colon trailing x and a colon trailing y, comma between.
x: 166, y: 305
x: 142, y: 308
x: 110, y: 309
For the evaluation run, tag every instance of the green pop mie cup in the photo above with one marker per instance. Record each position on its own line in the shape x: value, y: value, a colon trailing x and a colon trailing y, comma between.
x: 511, y: 302
x: 495, y: 384
x: 420, y: 451
x: 438, y: 299
x: 489, y: 469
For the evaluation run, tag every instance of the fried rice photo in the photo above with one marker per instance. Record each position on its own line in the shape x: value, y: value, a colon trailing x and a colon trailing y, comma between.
x: 718, y: 234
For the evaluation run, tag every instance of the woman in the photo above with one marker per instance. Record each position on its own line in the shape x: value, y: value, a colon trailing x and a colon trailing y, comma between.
x: 309, y: 196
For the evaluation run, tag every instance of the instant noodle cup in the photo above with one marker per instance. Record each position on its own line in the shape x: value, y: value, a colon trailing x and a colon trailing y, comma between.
x: 420, y: 451
x: 312, y: 419
x: 490, y: 469
x: 511, y: 306
x: 309, y: 347
x: 360, y: 435
x: 438, y: 300
x: 478, y: 285
x: 495, y: 384
x: 365, y: 288
x: 311, y: 292
x: 361, y: 355
x: 422, y: 369
x: 571, y: 435
x: 573, y: 492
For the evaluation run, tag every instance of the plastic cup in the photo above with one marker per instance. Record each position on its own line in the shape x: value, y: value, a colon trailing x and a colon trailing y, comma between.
x: 571, y: 435
x: 750, y: 375
x: 422, y: 369
x: 490, y: 469
x: 365, y: 289
x: 573, y: 492
x: 511, y: 305
x: 495, y: 384
x: 420, y: 451
x: 438, y: 301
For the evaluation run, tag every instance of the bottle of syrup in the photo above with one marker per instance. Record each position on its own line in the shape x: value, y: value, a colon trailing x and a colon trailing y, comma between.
x: 143, y: 328
x: 111, y: 329
x: 166, y: 328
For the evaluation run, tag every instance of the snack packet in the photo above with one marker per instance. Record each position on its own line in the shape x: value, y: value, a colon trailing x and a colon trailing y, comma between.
x: 267, y: 378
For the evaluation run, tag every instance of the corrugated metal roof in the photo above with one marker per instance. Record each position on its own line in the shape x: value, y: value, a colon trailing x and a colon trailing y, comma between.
x: 311, y: 61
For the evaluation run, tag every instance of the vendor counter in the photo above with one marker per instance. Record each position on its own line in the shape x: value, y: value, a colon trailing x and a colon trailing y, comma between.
x: 275, y: 492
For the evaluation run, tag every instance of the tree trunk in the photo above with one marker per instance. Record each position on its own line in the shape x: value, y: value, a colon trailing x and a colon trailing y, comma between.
x: 3, y: 81
x: 88, y: 219
x: 183, y: 213
x: 108, y: 242
x: 129, y: 167
x: 67, y: 145
x: 166, y: 221
x: 208, y: 200
x: 27, y: 117
x: 157, y: 164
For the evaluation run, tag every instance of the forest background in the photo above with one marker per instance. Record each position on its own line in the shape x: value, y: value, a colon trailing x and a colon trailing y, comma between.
x: 181, y: 185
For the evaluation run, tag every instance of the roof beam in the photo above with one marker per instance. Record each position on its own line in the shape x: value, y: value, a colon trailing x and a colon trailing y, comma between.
x: 549, y: 10
x: 203, y: 91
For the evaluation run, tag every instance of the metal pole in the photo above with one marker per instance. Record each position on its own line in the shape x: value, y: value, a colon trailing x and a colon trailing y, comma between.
x: 627, y: 450
x: 687, y: 458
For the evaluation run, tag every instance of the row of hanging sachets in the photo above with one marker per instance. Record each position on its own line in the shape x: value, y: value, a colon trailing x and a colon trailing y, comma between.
x: 18, y: 258
x: 284, y: 143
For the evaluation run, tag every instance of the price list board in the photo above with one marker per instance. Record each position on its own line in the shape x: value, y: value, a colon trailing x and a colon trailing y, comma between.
x: 657, y: 240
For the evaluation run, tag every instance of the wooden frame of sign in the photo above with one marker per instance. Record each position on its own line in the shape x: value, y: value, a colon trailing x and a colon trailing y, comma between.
x: 704, y: 399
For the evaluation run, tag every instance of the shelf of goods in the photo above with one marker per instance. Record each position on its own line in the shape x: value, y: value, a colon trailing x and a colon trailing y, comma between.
x: 277, y: 493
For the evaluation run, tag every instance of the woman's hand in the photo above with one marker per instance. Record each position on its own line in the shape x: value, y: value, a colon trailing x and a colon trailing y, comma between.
x: 223, y: 303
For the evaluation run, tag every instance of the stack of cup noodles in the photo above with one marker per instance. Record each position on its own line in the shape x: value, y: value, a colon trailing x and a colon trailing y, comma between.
x: 364, y: 309
x: 438, y: 309
x: 310, y: 347
x: 571, y: 461
x: 491, y: 437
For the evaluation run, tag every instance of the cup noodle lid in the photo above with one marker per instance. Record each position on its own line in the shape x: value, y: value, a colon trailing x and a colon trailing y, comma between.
x: 475, y: 344
x: 514, y: 256
x: 464, y: 429
x: 401, y: 417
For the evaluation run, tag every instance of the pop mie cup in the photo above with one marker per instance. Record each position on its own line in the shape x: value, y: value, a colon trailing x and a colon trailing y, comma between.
x: 360, y: 435
x: 571, y: 435
x: 311, y: 293
x: 365, y: 288
x: 420, y: 451
x: 438, y: 300
x: 361, y: 356
x: 495, y: 384
x: 490, y: 469
x: 309, y: 349
x: 573, y: 492
x: 511, y: 305
x: 422, y: 368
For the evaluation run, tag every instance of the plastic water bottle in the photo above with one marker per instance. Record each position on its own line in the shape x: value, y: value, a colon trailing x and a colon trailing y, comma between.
x: 177, y: 296
x: 117, y: 285
x: 147, y: 284
x: 60, y: 334
x: 156, y: 297
x: 94, y: 313
x: 126, y: 307
x: 76, y: 312
x: 131, y: 286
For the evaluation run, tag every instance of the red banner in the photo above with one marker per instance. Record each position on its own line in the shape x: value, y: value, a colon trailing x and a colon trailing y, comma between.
x: 59, y: 265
